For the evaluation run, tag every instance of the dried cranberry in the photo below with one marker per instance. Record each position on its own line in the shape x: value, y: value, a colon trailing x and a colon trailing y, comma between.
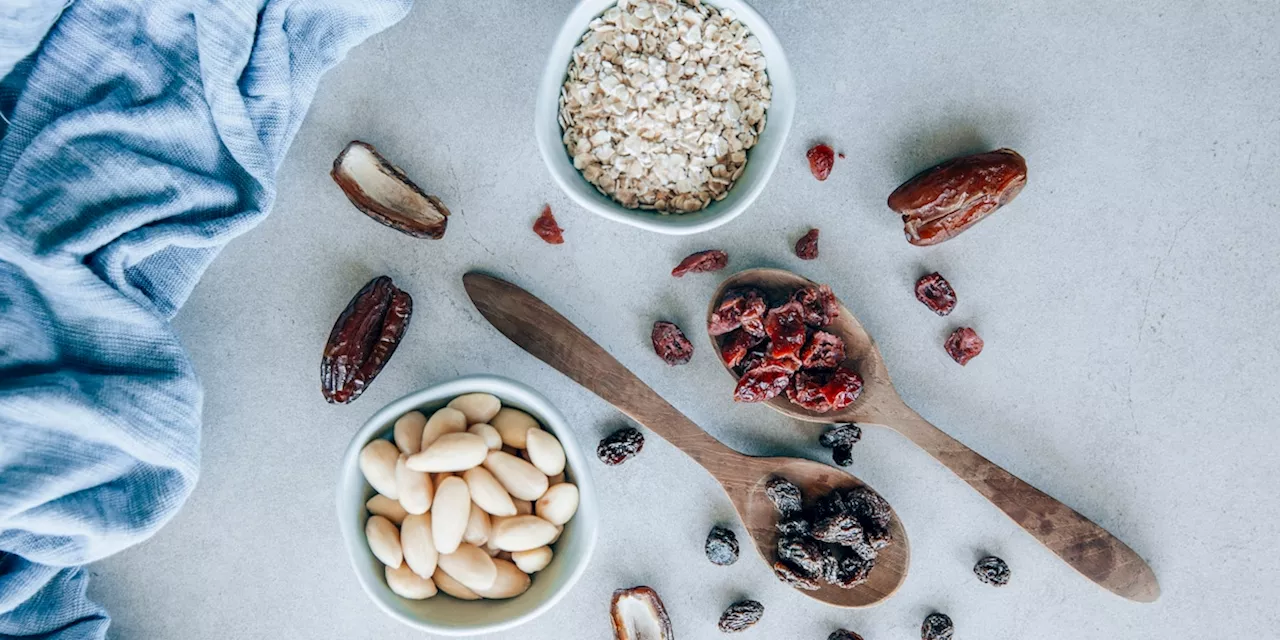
x: 824, y: 351
x: 818, y: 305
x: 807, y: 245
x: 785, y: 327
x: 547, y: 229
x: 670, y: 344
x: 736, y: 345
x: 842, y: 389
x: 963, y: 345
x: 821, y: 158
x: 825, y: 391
x: 620, y: 446
x: 936, y: 293
x: 701, y: 262
x: 754, y: 358
x: 740, y: 308
x: 806, y: 391
x: 762, y: 383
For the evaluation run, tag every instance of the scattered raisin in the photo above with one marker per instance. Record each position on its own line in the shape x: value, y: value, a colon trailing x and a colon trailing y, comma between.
x: 547, y: 229
x: 736, y: 345
x: 803, y: 553
x: 963, y: 345
x: 842, y: 454
x: 992, y: 570
x: 722, y: 546
x: 807, y: 245
x: 741, y: 615
x: 936, y: 293
x: 818, y: 305
x: 762, y: 383
x: 784, y: 495
x: 824, y: 351
x: 842, y: 634
x: 788, y: 575
x: 846, y: 434
x: 701, y: 262
x: 670, y: 344
x: 821, y: 158
x: 620, y: 446
x: 740, y: 308
x: 785, y: 327
x: 937, y: 626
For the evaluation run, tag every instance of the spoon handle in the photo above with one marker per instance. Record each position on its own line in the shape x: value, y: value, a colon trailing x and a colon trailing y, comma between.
x: 1087, y: 547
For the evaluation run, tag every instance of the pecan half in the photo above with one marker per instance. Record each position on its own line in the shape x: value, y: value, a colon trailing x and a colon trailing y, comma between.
x: 941, y: 202
x: 363, y: 339
x: 382, y: 191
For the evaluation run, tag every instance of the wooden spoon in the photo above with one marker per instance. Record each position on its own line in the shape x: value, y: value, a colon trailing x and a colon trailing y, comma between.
x: 1085, y: 546
x: 538, y: 329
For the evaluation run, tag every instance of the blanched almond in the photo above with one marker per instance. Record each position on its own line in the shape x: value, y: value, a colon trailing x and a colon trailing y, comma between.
x: 384, y: 540
x: 378, y: 464
x: 521, y: 479
x: 408, y: 584
x: 380, y: 505
x: 444, y: 421
x: 513, y: 425
x: 522, y: 533
x: 414, y: 487
x: 418, y: 545
x: 492, y: 438
x: 471, y: 566
x: 450, y: 452
x: 449, y: 516
x: 477, y: 531
x: 545, y: 451
x: 478, y: 407
x: 523, y: 507
x: 447, y: 584
x: 488, y: 493
x: 558, y: 504
x: 509, y: 583
x: 533, y: 560
x: 408, y: 432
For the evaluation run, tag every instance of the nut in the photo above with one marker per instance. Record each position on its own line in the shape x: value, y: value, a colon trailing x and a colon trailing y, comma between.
x: 414, y: 488
x: 447, y: 584
x: 408, y: 432
x: 513, y: 425
x: 521, y: 479
x: 492, y: 438
x: 450, y: 452
x: 418, y: 546
x: 522, y: 533
x: 545, y: 451
x: 450, y: 513
x: 533, y: 560
x: 477, y: 531
x: 509, y: 582
x: 380, y: 505
x: 478, y: 407
x: 488, y: 493
x: 446, y: 420
x: 408, y: 584
x: 471, y: 566
x: 384, y: 540
x: 378, y: 464
x: 558, y: 504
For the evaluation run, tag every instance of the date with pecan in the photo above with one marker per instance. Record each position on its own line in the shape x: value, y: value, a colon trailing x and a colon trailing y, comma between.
x: 941, y: 202
x: 363, y: 339
x: 383, y: 192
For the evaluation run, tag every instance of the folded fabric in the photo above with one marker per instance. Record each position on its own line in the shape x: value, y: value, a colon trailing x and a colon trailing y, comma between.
x: 142, y: 137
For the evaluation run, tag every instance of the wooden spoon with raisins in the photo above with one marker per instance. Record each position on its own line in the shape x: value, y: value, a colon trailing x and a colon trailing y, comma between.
x: 870, y: 398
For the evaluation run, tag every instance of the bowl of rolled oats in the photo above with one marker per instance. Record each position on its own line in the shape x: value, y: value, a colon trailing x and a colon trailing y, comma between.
x: 669, y: 115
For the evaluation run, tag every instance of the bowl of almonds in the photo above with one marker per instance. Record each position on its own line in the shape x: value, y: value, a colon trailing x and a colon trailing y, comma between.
x: 668, y: 115
x: 467, y: 507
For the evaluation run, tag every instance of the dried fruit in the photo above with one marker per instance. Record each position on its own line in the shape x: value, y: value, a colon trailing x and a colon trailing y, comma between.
x: 963, y: 345
x: 753, y: 359
x: 825, y: 391
x: 620, y: 446
x: 937, y: 626
x: 803, y: 553
x: 546, y: 228
x: 824, y: 351
x: 869, y: 507
x: 788, y: 575
x: 807, y: 245
x: 842, y: 634
x: 842, y: 454
x: 784, y: 495
x: 736, y: 345
x: 670, y: 344
x: 852, y: 571
x: 743, y: 308
x: 839, y: 528
x: 992, y: 570
x: 821, y: 159
x: 701, y: 262
x: 818, y: 305
x: 794, y: 525
x: 841, y: 434
x: 941, y: 202
x: 806, y: 391
x: 762, y: 383
x: 722, y: 546
x: 363, y: 339
x: 383, y: 192
x: 936, y: 293
x: 740, y: 616
x: 785, y: 328
x: 638, y: 614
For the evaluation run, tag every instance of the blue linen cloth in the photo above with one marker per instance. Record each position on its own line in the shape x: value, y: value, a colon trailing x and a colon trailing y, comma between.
x: 143, y: 135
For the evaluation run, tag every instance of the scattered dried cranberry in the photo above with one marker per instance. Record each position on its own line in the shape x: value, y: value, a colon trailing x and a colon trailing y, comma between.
x: 818, y: 305
x: 762, y: 383
x: 821, y: 158
x: 936, y: 293
x: 937, y: 626
x: 963, y: 345
x: 790, y: 576
x: 992, y: 570
x: 785, y: 327
x: 670, y: 344
x: 824, y: 351
x: 741, y: 615
x: 547, y: 229
x: 784, y: 495
x: 842, y: 634
x: 736, y: 345
x: 740, y: 308
x: 807, y: 245
x: 722, y: 546
x: 842, y: 434
x: 701, y: 262
x: 620, y: 446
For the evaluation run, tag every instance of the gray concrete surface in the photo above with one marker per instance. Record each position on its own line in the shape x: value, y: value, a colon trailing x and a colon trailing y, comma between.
x: 1128, y: 298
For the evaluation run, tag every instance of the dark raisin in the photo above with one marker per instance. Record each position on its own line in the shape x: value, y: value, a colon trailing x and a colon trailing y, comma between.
x: 547, y: 229
x: 936, y: 293
x: 670, y: 343
x: 821, y: 158
x: 869, y: 507
x: 818, y: 304
x: 963, y: 345
x: 784, y: 495
x: 789, y: 575
x: 823, y: 351
x: 841, y: 634
x: 937, y: 626
x: 992, y: 570
x: 803, y: 553
x: 620, y: 446
x: 807, y: 245
x: 853, y: 571
x: 831, y: 563
x: 842, y: 455
x: 722, y: 546
x: 794, y: 526
x: 840, y: 528
x: 741, y: 615
x: 846, y: 434
x: 701, y: 262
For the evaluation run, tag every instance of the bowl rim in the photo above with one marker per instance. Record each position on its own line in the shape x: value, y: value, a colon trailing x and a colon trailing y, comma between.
x: 553, y: 152
x: 506, y: 389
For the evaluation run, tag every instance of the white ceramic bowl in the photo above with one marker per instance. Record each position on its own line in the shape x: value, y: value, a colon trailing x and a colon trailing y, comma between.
x: 761, y: 159
x: 443, y: 614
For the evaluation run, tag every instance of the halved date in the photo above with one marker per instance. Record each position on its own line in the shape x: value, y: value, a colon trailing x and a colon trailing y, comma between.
x: 383, y: 192
x: 941, y: 202
x: 363, y: 339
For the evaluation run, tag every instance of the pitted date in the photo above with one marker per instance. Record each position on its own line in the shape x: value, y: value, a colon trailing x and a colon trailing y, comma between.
x: 941, y: 202
x: 363, y: 339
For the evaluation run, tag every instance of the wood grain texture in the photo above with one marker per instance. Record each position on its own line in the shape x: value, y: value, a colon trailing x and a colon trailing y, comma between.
x: 547, y: 335
x: 1082, y: 544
